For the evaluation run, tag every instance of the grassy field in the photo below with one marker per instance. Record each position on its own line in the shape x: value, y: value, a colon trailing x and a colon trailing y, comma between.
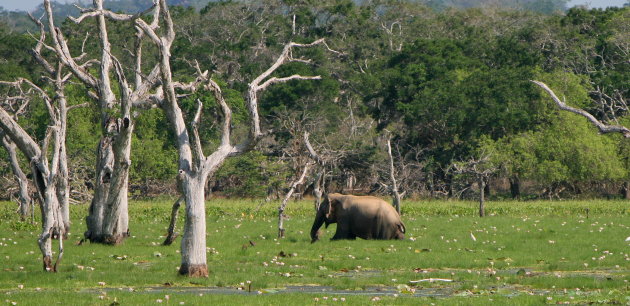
x: 523, y: 253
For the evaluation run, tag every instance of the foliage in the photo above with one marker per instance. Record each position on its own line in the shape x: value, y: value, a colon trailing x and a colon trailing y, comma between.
x: 251, y: 175
x: 153, y: 153
x: 15, y: 58
x: 446, y: 82
x: 448, y: 98
x: 568, y: 150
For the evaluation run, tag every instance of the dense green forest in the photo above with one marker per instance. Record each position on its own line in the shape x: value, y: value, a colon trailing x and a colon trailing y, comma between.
x: 447, y: 81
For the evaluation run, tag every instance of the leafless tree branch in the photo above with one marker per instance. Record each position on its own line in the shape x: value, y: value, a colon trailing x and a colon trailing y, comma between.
x: 603, y: 128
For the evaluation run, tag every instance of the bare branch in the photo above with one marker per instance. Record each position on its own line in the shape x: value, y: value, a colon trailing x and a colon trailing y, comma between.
x: 41, y: 43
x: 170, y: 29
x: 19, y: 136
x: 138, y: 55
x: 300, y: 60
x: 149, y: 31
x: 124, y: 86
x: 61, y: 48
x: 225, y: 109
x: 255, y: 86
x: 285, y: 201
x: 94, y: 12
x: 195, y: 129
x: 54, y: 168
x: 603, y: 128
x: 310, y: 149
x: 275, y: 80
x: 18, y: 85
x: 149, y: 82
x: 78, y: 106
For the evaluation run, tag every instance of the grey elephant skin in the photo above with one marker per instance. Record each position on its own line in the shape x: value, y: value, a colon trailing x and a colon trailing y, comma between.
x: 358, y: 216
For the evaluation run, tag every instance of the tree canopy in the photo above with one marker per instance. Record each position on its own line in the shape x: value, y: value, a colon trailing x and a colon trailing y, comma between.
x: 446, y: 79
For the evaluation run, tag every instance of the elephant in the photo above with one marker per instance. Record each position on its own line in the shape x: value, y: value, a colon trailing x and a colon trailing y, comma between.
x: 358, y: 216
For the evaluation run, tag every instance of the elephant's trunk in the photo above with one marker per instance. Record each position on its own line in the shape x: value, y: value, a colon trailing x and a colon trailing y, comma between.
x: 320, y: 218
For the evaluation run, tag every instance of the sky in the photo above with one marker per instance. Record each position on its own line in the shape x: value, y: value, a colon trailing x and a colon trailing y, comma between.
x: 27, y: 5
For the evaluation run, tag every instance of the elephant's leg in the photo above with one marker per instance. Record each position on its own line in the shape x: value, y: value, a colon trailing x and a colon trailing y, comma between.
x: 343, y: 231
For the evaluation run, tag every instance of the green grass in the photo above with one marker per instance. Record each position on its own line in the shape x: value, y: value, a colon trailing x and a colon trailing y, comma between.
x: 524, y: 253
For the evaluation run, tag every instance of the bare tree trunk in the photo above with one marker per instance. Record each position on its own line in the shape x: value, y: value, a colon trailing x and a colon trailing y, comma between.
x: 94, y: 219
x: 394, y: 187
x: 25, y: 202
x: 194, y: 239
x: 44, y: 177
x: 52, y: 228
x: 285, y: 201
x: 482, y: 188
x: 172, y: 235
x: 108, y: 219
x: 62, y: 187
x: 318, y: 190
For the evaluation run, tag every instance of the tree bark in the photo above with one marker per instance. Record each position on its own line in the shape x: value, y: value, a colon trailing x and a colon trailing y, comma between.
x: 24, y: 200
x: 52, y: 227
x: 603, y: 128
x: 108, y: 218
x: 318, y: 191
x: 487, y: 187
x: 194, y: 239
x: 318, y: 188
x: 61, y: 182
x: 482, y: 187
x: 171, y: 234
x: 285, y: 201
x: 44, y: 177
x: 394, y: 185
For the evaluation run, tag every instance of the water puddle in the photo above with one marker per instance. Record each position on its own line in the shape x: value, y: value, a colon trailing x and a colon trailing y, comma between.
x: 440, y: 287
x: 371, y: 291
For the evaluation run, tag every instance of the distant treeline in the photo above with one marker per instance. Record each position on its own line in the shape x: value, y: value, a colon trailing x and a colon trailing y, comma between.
x: 448, y: 81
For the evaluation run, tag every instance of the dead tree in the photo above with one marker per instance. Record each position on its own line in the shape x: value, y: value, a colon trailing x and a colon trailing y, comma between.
x: 298, y: 181
x: 50, y: 180
x: 318, y: 183
x: 25, y: 202
x: 108, y: 219
x: 194, y: 166
x: 317, y: 190
x: 400, y: 173
x: 393, y: 188
x: 481, y: 171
